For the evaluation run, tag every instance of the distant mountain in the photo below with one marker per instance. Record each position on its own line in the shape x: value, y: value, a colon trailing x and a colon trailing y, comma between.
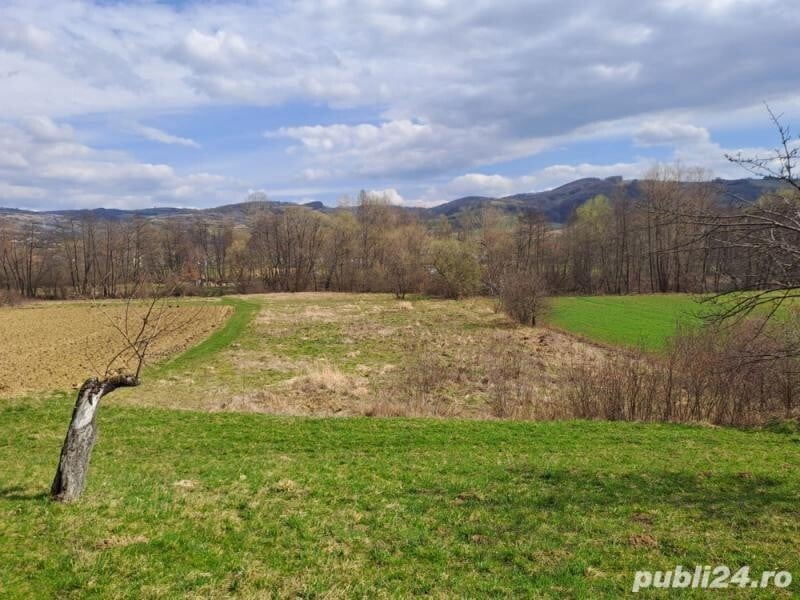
x: 237, y: 212
x: 557, y: 204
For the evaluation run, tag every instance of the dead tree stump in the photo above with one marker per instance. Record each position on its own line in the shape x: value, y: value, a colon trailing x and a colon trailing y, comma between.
x: 76, y: 452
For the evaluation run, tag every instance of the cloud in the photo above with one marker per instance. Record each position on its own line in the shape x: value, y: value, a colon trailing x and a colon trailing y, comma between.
x: 479, y: 184
x: 391, y: 134
x: 216, y: 51
x: 389, y: 196
x: 398, y: 148
x: 24, y: 38
x: 496, y: 186
x: 21, y: 192
x: 380, y: 94
x: 157, y: 135
x: 624, y: 72
x: 665, y: 133
x: 512, y: 64
x: 42, y: 165
x: 690, y: 150
x: 715, y: 7
x: 44, y: 129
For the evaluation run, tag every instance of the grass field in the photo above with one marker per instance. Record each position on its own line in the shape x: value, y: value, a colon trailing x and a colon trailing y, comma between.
x: 202, y: 503
x: 368, y: 354
x: 186, y: 503
x: 647, y: 321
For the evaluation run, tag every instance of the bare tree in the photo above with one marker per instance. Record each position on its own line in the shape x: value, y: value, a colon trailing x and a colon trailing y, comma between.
x: 404, y: 258
x: 138, y: 334
x: 762, y: 237
x: 522, y: 289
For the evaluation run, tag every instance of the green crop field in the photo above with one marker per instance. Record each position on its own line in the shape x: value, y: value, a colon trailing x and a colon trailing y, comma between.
x: 217, y: 502
x: 648, y: 320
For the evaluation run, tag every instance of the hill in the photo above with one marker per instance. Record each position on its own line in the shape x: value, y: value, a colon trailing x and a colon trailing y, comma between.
x: 557, y: 204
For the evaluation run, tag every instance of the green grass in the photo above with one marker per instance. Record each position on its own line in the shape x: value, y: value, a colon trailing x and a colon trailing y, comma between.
x: 243, y: 313
x: 648, y: 321
x: 185, y: 503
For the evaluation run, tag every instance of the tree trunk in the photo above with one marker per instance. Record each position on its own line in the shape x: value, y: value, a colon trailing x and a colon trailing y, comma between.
x: 76, y: 452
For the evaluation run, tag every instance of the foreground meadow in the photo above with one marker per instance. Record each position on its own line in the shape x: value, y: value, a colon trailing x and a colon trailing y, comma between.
x: 184, y: 503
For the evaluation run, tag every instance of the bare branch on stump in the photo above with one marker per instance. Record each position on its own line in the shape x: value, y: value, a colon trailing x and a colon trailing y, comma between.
x: 76, y: 452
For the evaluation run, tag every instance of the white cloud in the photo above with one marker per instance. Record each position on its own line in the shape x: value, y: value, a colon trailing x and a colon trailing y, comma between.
x: 315, y: 174
x: 632, y: 34
x: 625, y: 72
x: 716, y: 7
x: 667, y: 133
x: 12, y: 158
x: 433, y: 88
x: 479, y: 184
x: 496, y: 186
x: 21, y: 192
x: 400, y: 147
x: 43, y: 166
x: 216, y: 51
x: 691, y: 151
x: 389, y: 196
x: 391, y: 134
x: 44, y: 129
x: 24, y: 37
x: 157, y: 135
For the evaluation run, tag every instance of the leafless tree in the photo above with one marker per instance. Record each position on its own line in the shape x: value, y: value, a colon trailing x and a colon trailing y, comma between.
x: 763, y: 237
x: 137, y: 330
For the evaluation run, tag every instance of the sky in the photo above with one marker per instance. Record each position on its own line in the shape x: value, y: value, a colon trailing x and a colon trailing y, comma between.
x: 133, y: 104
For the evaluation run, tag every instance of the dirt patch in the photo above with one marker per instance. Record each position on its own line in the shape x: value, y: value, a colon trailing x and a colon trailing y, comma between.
x: 50, y: 346
x: 120, y: 541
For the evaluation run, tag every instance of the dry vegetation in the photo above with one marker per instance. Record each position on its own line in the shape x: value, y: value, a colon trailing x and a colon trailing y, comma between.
x: 50, y: 346
x: 741, y: 375
x: 370, y: 354
x: 350, y: 354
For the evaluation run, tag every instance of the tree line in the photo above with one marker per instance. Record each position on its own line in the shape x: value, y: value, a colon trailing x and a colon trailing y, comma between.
x: 677, y: 235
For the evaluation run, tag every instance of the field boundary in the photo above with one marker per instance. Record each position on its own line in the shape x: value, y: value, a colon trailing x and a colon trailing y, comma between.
x: 243, y: 313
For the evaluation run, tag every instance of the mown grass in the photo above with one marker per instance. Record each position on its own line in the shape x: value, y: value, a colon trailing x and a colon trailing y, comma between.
x: 189, y: 504
x: 647, y: 321
x: 243, y: 314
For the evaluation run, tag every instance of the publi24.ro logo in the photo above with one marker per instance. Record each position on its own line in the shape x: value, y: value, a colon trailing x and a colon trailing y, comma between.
x: 708, y: 577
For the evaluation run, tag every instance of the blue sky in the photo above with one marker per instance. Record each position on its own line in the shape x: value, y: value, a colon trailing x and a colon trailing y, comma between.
x: 182, y: 103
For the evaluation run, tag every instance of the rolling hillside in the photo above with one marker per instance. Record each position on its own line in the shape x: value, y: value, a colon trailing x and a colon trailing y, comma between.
x: 557, y: 204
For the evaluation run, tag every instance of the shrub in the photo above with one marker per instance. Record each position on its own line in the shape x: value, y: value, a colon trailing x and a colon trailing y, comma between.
x: 10, y: 297
x: 743, y: 375
x: 522, y: 296
x: 455, y: 268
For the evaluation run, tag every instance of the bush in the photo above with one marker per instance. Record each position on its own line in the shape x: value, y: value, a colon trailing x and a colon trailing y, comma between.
x: 10, y: 298
x: 522, y: 297
x: 455, y: 269
x: 740, y: 376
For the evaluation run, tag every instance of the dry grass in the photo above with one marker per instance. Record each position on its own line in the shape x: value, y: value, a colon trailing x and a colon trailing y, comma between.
x: 50, y: 346
x: 351, y: 354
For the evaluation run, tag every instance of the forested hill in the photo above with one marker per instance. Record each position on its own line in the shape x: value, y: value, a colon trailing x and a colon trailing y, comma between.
x: 557, y: 204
